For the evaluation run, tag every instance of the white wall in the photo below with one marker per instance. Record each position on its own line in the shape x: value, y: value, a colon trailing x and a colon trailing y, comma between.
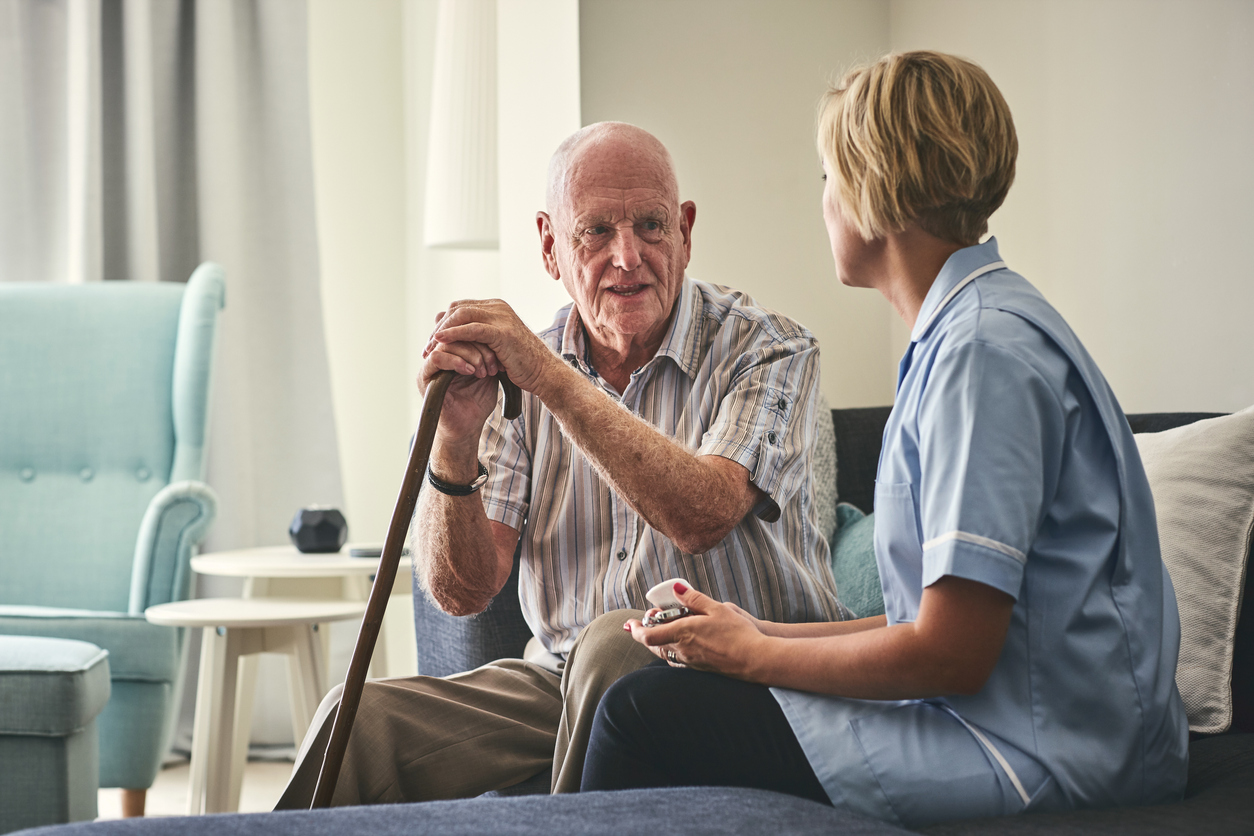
x: 538, y: 87
x: 1132, y: 200
x: 730, y: 86
x: 1132, y: 209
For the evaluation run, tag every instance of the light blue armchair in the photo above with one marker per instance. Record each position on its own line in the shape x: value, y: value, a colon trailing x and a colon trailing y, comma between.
x: 103, y: 406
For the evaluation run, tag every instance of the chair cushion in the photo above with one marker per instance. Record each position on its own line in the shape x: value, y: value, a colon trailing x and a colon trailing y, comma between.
x: 51, y: 687
x: 1202, y: 476
x: 137, y: 650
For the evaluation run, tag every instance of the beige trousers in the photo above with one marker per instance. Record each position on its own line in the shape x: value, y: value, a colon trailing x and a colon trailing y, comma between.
x: 424, y: 738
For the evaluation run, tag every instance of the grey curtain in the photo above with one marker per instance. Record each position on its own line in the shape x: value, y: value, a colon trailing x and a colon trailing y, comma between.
x: 140, y: 137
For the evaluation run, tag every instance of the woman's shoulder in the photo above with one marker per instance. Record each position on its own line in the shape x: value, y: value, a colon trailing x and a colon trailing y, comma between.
x: 1007, y: 325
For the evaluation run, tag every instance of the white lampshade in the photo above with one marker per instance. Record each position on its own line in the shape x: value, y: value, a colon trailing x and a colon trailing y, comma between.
x: 461, y: 200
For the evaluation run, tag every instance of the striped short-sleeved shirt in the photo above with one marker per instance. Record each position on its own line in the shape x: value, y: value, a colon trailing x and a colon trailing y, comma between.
x: 731, y: 379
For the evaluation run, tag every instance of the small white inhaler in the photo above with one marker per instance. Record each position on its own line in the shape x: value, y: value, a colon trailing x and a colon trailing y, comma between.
x: 663, y: 595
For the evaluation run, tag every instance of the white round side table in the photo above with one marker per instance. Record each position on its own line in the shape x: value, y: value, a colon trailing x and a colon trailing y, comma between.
x: 268, y: 569
x: 233, y: 629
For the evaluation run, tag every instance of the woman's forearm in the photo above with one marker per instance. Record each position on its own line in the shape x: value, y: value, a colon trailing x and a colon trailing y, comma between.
x: 951, y: 648
x: 819, y: 629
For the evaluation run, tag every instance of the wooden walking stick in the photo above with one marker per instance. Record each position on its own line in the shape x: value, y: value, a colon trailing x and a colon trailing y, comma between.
x: 386, y: 576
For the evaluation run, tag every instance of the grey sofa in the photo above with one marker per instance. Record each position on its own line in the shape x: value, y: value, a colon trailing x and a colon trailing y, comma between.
x: 1219, y: 798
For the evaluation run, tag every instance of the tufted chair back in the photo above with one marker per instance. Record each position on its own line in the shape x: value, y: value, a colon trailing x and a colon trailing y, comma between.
x: 102, y: 391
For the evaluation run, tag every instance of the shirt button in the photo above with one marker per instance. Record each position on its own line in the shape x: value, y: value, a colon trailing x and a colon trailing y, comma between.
x: 771, y: 437
x: 142, y: 474
x: 27, y: 474
x: 86, y: 474
x: 782, y: 404
x: 622, y: 554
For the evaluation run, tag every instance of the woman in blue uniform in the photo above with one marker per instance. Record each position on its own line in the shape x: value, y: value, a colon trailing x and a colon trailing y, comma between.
x: 1027, y: 658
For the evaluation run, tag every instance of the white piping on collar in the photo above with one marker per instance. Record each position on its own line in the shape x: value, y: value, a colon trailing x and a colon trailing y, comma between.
x: 975, y: 274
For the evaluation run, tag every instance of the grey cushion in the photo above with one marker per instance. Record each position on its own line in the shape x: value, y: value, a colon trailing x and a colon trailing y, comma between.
x: 137, y: 650
x: 825, y: 468
x: 50, y: 687
x: 1202, y: 476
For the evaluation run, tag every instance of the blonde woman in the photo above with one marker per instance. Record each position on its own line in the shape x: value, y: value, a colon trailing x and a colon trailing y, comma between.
x: 1027, y: 658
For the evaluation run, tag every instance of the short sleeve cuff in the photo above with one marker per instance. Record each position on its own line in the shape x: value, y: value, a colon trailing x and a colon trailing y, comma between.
x: 507, y: 513
x: 762, y: 456
x: 974, y: 562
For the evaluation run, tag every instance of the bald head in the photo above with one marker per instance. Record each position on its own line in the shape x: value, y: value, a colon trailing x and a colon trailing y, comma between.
x: 592, y: 147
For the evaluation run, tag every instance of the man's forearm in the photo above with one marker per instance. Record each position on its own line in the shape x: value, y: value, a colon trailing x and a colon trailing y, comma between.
x: 456, y: 553
x: 691, y: 501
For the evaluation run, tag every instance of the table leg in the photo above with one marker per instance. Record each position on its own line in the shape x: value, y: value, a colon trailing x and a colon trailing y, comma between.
x: 307, y: 679
x: 245, y: 694
x: 212, y: 730
x: 211, y: 652
x: 359, y: 590
x: 218, y: 787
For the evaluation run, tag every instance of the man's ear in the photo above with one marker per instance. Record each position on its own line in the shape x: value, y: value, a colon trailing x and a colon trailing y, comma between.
x: 547, y: 241
x: 687, y: 217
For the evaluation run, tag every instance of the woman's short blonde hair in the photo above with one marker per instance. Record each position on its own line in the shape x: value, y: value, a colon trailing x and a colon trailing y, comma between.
x: 919, y: 136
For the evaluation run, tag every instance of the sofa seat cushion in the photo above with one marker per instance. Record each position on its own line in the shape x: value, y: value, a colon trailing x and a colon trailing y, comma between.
x: 137, y: 650
x: 1217, y: 802
x: 692, y: 811
x: 50, y: 687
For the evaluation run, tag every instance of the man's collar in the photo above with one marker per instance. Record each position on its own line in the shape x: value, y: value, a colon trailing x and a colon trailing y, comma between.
x: 678, y: 344
x: 960, y: 268
x: 574, y: 347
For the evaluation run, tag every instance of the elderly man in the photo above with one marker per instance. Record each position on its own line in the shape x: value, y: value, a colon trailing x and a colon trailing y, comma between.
x: 666, y: 431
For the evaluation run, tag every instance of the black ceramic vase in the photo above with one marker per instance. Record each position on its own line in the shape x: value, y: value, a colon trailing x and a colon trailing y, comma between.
x: 318, y: 530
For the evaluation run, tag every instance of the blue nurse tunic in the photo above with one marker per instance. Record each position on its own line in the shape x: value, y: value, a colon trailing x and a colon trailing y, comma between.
x: 1008, y: 461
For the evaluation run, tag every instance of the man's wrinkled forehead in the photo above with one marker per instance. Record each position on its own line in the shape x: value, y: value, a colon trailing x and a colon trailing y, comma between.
x: 602, y: 205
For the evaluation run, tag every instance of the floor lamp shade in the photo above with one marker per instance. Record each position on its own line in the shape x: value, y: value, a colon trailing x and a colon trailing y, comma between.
x: 461, y: 198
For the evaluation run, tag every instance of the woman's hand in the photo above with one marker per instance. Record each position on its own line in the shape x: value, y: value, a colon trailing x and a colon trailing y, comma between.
x: 714, y: 637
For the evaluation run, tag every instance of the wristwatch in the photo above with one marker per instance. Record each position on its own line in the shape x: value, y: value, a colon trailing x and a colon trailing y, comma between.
x: 458, y: 490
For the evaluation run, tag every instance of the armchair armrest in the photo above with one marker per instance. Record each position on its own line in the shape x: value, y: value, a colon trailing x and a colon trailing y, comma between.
x: 176, y: 519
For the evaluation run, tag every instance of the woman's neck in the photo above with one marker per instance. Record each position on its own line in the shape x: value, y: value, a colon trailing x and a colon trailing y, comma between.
x: 910, y: 261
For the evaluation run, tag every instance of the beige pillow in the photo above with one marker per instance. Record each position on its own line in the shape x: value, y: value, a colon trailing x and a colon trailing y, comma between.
x: 1202, y: 477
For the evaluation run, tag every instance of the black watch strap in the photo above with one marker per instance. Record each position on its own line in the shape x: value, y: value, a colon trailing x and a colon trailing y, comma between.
x: 457, y: 490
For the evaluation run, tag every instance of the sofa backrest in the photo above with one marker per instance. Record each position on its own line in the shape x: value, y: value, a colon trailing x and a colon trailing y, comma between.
x: 102, y: 404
